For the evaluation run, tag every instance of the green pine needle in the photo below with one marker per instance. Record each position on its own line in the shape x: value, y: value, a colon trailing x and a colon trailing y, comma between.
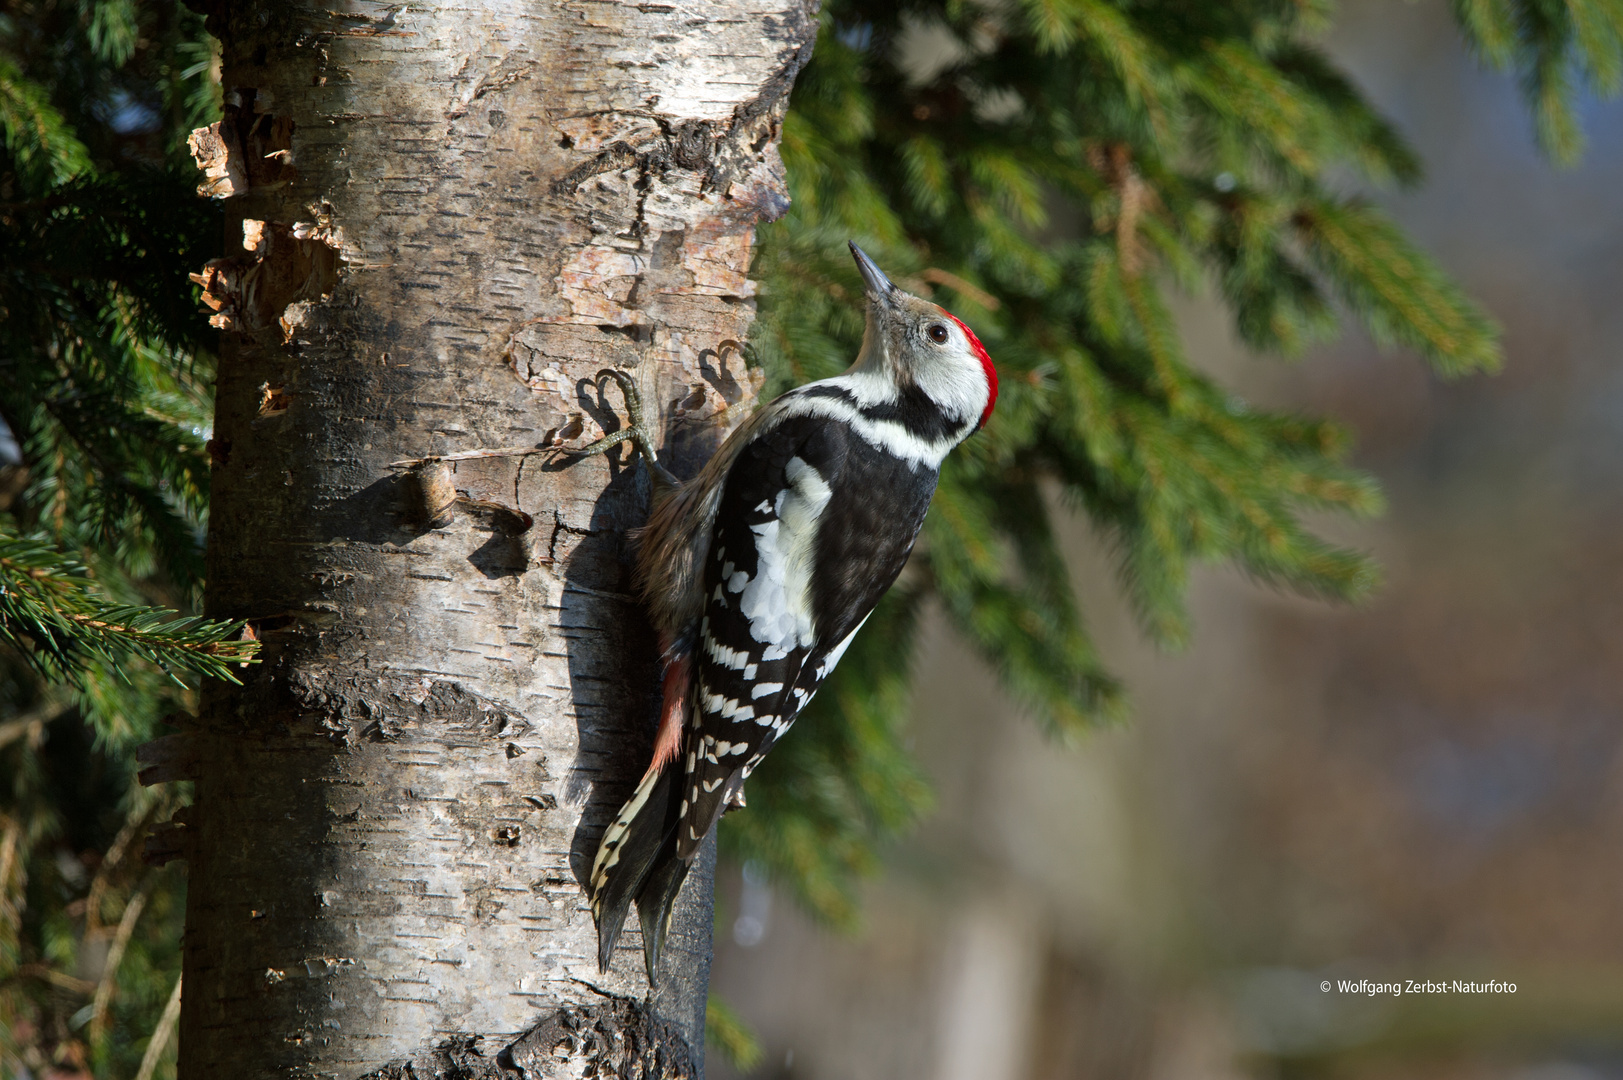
x: 1402, y: 296
x: 52, y: 614
x: 39, y: 139
x: 1152, y: 149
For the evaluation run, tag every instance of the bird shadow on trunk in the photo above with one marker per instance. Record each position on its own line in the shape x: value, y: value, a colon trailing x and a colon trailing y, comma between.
x: 611, y: 649
x: 614, y: 669
x: 614, y: 664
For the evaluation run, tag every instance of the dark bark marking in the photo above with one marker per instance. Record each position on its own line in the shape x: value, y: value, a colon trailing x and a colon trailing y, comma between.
x: 380, y: 708
x: 620, y: 1038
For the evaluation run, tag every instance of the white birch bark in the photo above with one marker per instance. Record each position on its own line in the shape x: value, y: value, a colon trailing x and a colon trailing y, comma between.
x: 459, y: 213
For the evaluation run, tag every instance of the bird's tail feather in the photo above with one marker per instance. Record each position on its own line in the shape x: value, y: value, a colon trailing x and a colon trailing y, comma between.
x: 637, y: 860
x: 654, y: 904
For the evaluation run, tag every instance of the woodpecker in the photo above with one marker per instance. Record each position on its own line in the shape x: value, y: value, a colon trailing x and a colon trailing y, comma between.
x: 759, y: 572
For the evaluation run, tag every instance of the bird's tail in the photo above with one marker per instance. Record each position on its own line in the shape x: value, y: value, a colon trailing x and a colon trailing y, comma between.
x: 637, y: 860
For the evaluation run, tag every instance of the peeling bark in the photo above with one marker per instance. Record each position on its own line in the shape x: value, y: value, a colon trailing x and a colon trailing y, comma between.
x: 452, y: 219
x: 247, y: 148
x: 286, y: 268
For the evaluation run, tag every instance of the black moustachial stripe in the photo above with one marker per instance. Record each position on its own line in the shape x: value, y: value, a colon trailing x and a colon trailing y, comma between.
x: 825, y: 390
x: 917, y: 414
x: 912, y: 408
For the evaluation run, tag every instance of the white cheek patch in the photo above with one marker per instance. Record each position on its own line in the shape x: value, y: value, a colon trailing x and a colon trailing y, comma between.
x: 955, y: 381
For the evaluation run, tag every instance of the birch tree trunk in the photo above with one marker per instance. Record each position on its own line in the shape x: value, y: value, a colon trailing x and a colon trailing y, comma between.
x: 453, y: 216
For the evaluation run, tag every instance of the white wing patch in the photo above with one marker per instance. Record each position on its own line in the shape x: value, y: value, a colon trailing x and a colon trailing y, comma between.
x: 777, y: 600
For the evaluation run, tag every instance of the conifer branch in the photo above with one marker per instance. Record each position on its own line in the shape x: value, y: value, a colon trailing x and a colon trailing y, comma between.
x: 52, y: 613
x: 36, y: 134
x: 1136, y: 153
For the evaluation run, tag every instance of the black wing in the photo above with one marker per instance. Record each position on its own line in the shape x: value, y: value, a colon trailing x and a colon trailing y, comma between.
x: 814, y: 525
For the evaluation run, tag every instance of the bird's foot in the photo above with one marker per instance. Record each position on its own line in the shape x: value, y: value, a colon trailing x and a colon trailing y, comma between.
x: 635, y: 432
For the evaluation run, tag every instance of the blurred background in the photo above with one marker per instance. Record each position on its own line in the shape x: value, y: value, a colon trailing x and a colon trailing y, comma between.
x: 1428, y: 785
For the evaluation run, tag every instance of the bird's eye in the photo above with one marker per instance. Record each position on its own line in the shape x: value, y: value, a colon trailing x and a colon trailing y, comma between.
x: 938, y: 333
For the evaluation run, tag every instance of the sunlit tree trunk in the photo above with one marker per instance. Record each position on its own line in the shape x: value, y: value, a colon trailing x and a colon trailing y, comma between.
x: 454, y: 217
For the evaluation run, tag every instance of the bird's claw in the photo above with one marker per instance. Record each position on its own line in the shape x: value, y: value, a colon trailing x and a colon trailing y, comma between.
x: 635, y: 432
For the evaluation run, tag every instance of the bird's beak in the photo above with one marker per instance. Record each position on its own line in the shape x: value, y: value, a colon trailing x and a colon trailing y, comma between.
x: 874, y: 282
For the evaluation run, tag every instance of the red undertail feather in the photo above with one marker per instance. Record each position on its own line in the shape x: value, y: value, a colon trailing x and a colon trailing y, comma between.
x: 668, y: 742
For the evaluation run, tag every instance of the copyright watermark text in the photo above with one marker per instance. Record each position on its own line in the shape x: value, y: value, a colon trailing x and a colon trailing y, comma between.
x: 1416, y: 986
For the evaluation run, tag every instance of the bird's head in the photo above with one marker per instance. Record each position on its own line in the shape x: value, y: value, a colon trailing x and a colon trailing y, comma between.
x: 914, y: 343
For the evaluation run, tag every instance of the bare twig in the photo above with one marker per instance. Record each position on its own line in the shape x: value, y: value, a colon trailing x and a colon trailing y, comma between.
x: 54, y: 977
x: 115, y: 953
x: 160, y: 1035
x: 133, y: 823
x: 470, y: 455
x: 937, y: 276
x: 8, y: 853
x: 32, y: 722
